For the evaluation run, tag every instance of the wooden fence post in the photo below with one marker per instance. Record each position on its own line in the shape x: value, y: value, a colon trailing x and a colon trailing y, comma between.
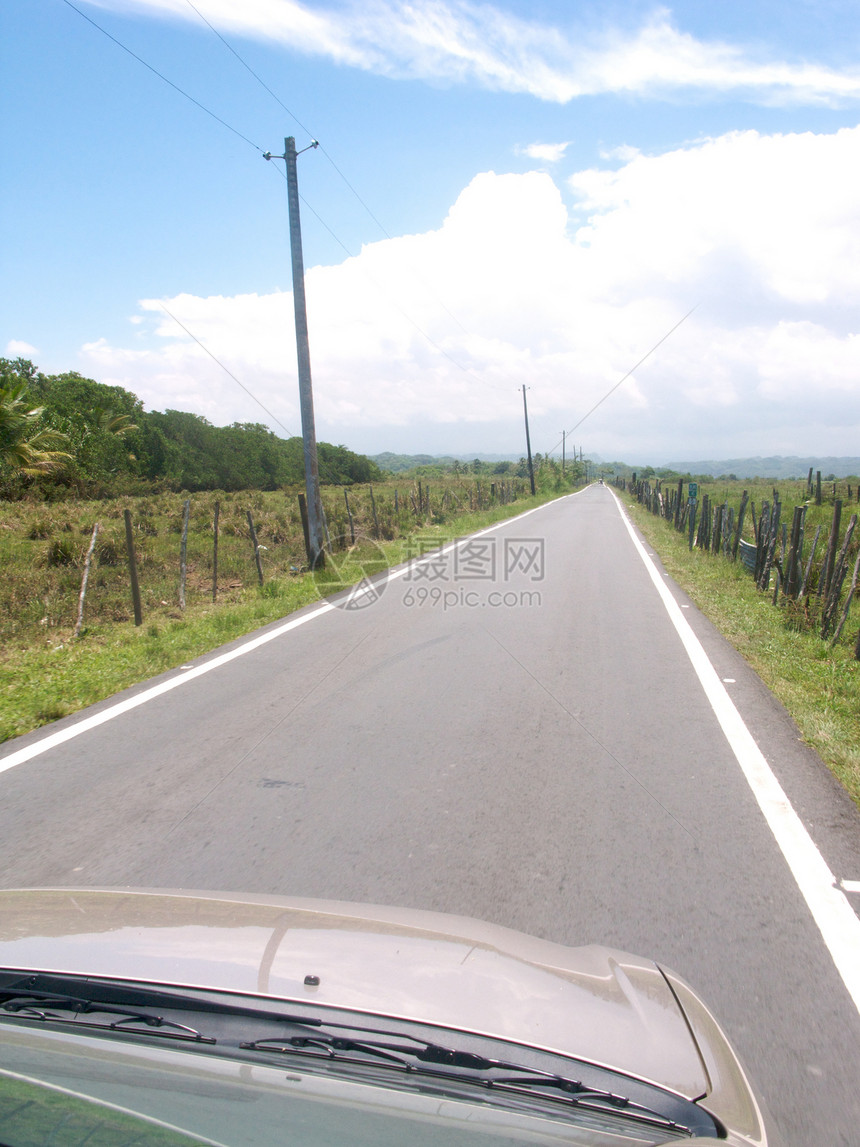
x: 303, y: 510
x: 829, y: 557
x: 739, y: 530
x: 132, y: 569
x: 349, y: 516
x: 793, y: 567
x: 183, y: 552
x: 87, y: 562
x: 215, y: 551
x: 804, y: 586
x: 770, y: 550
x: 852, y: 589
x: 256, y: 546
x: 375, y: 517
x: 839, y: 571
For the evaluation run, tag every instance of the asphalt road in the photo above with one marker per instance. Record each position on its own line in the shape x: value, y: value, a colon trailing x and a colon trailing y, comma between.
x: 512, y: 731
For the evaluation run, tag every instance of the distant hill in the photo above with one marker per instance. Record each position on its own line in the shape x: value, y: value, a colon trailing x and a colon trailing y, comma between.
x: 774, y: 467
x: 394, y: 463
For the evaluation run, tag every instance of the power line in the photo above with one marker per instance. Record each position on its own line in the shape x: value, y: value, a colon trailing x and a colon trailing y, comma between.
x: 332, y: 477
x: 238, y: 381
x: 161, y: 76
x: 236, y: 132
x: 352, y: 189
x: 396, y: 306
x: 282, y: 105
x: 612, y: 390
x: 247, y: 66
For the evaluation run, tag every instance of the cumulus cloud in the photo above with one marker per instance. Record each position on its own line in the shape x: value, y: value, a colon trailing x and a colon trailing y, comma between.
x: 425, y: 338
x: 17, y: 348
x: 460, y: 41
x: 548, y: 152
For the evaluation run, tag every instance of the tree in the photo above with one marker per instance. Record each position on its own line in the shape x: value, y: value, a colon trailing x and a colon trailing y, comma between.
x: 27, y: 446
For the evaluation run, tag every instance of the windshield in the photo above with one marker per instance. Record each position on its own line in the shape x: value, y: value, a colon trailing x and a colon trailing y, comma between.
x: 231, y: 1103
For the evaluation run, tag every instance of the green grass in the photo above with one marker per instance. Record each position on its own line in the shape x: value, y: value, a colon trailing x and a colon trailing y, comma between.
x: 818, y: 683
x: 46, y: 673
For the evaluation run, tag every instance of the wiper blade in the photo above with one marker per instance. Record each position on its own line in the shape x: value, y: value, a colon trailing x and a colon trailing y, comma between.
x: 577, y: 1094
x: 461, y: 1065
x: 61, y: 1008
x: 400, y: 1053
x: 323, y: 1046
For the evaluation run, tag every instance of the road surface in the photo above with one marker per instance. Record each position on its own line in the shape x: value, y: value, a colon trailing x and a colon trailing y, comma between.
x: 512, y: 730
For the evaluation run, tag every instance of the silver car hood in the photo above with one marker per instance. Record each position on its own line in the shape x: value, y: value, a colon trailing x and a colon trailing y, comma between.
x: 604, y: 1006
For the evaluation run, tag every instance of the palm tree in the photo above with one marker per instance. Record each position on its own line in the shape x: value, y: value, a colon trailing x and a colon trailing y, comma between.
x: 118, y: 424
x: 25, y: 446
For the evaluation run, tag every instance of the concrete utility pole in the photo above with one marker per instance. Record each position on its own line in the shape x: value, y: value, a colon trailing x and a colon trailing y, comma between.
x: 316, y: 546
x: 528, y: 441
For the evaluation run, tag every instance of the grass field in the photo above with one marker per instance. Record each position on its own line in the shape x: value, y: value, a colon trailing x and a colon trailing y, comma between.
x: 816, y: 680
x: 46, y: 672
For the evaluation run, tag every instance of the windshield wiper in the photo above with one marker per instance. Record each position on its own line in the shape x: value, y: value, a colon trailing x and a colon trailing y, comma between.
x: 61, y: 1008
x: 451, y: 1063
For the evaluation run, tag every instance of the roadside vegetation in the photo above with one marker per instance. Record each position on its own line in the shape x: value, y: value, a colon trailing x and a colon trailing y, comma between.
x: 816, y: 677
x: 65, y: 436
x: 47, y: 672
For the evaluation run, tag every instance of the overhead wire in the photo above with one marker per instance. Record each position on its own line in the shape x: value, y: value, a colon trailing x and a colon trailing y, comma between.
x: 238, y: 381
x: 235, y: 131
x: 161, y: 76
x: 323, y: 465
x: 181, y: 91
x: 612, y: 389
x: 352, y: 190
x: 396, y: 306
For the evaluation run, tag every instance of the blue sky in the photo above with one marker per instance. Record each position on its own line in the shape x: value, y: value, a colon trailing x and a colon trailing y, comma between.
x: 557, y: 184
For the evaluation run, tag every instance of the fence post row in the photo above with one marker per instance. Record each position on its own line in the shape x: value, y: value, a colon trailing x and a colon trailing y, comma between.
x: 776, y: 551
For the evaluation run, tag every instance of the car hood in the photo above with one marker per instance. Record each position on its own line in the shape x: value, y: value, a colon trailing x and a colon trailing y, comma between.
x: 593, y: 1003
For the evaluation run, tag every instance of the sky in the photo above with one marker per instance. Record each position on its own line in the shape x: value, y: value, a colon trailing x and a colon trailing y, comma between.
x: 648, y: 215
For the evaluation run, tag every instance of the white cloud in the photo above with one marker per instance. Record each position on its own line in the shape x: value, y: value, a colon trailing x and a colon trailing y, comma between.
x: 460, y: 41
x: 424, y: 340
x: 548, y: 152
x: 16, y: 348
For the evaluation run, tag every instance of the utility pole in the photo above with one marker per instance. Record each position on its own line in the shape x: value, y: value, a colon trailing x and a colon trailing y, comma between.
x: 563, y: 435
x: 316, y: 546
x: 528, y: 442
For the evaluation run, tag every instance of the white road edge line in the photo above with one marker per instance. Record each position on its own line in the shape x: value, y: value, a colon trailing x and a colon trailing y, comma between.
x: 836, y: 919
x: 92, y: 722
x: 52, y: 740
